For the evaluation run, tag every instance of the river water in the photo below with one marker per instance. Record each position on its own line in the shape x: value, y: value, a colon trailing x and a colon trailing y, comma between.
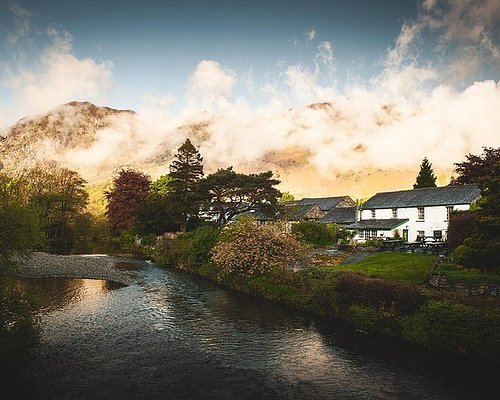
x: 174, y: 336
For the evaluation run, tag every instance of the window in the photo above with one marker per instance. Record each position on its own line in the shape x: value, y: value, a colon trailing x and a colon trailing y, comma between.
x: 421, y: 214
x: 373, y: 214
x: 438, y: 235
x: 370, y: 233
x: 420, y: 235
x: 394, y: 213
x: 449, y: 210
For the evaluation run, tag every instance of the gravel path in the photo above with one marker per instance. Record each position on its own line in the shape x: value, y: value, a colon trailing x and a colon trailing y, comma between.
x: 43, y: 265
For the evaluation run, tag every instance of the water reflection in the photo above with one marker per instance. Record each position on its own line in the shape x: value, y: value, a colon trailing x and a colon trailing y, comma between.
x: 172, y: 336
x: 58, y: 293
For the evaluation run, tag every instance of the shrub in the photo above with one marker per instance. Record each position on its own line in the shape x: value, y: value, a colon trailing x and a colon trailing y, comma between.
x: 315, y: 233
x: 460, y: 227
x: 248, y: 248
x: 188, y: 250
x: 358, y: 289
x: 446, y: 326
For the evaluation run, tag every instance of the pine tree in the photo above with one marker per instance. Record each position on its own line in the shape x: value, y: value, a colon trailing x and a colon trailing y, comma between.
x: 426, y: 177
x: 186, y: 170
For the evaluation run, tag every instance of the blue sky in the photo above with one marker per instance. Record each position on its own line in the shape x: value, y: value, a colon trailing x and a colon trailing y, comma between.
x: 155, y: 45
x: 405, y: 79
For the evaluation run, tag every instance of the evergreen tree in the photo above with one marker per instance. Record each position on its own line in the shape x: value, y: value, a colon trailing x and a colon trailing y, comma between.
x: 186, y: 170
x: 425, y: 177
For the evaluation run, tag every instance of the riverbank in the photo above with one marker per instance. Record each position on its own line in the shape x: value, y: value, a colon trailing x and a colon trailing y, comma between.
x: 450, y: 324
x: 94, y: 266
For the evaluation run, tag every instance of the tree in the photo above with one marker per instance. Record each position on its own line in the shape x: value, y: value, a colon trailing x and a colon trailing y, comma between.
x: 186, y: 170
x: 286, y: 197
x: 163, y: 185
x: 59, y: 194
x: 247, y: 249
x: 130, y: 189
x: 482, y: 248
x: 226, y: 193
x: 425, y: 177
x: 156, y: 215
x: 476, y: 168
x: 21, y: 227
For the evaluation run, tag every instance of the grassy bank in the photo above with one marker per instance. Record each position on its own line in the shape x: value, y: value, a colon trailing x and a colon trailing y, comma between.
x: 379, y: 295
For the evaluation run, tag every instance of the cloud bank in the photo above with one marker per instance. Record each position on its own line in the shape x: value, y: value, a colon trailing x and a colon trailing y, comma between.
x: 412, y: 109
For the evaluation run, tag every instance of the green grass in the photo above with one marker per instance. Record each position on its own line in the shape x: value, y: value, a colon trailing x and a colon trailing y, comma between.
x: 456, y: 273
x: 401, y: 267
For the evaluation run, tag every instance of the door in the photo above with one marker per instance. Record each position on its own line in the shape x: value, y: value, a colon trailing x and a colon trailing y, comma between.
x: 405, y: 235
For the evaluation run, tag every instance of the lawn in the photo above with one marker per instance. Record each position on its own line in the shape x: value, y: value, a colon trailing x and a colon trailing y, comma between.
x: 401, y: 267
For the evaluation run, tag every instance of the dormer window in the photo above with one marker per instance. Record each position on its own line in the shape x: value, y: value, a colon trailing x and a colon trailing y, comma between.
x: 373, y: 214
x: 394, y: 213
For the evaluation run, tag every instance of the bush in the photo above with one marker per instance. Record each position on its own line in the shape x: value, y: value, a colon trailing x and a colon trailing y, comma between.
x: 445, y: 326
x: 357, y: 289
x: 248, y: 248
x: 315, y: 233
x: 188, y: 250
x: 460, y: 227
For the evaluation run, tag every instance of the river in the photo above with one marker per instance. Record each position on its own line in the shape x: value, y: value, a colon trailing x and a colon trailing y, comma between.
x: 170, y: 335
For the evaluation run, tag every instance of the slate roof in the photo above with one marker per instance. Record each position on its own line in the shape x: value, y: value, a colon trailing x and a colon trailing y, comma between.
x: 297, y: 212
x: 259, y: 215
x: 382, y: 224
x: 341, y: 215
x: 446, y: 195
x: 325, y: 203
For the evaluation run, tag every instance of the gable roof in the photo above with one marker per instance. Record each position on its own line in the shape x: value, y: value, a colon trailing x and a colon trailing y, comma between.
x: 326, y: 203
x: 297, y: 212
x: 446, y: 195
x: 340, y: 215
x: 382, y: 224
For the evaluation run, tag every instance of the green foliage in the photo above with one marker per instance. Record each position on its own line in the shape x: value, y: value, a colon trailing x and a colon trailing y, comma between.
x: 247, y: 248
x: 189, y: 250
x: 163, y: 185
x: 476, y: 168
x: 156, y: 215
x: 444, y: 326
x: 374, y: 319
x: 402, y: 267
x: 353, y: 288
x: 455, y: 273
x: 425, y: 177
x: 482, y: 249
x: 60, y: 196
x: 21, y: 227
x: 315, y: 233
x: 186, y: 170
x: 460, y: 227
x: 19, y: 327
x: 226, y: 193
x: 130, y: 189
x: 286, y: 197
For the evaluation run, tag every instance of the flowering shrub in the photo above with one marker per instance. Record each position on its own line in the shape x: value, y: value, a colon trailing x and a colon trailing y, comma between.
x: 248, y: 248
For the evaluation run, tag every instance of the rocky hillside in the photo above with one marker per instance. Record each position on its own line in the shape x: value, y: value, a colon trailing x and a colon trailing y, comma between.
x: 72, y: 125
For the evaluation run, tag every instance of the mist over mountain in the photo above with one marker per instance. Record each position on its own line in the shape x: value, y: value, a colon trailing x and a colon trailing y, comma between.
x: 318, y: 149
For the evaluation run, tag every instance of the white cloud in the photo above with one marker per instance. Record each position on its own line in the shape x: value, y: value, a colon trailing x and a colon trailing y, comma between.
x: 310, y: 34
x: 21, y: 21
x: 57, y: 77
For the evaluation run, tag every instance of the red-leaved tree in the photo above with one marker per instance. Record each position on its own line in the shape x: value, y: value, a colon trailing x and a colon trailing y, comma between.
x: 130, y: 189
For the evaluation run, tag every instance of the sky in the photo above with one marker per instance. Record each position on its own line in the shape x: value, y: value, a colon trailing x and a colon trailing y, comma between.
x: 401, y: 74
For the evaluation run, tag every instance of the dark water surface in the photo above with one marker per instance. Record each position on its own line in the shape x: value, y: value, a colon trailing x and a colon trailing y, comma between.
x: 173, y: 336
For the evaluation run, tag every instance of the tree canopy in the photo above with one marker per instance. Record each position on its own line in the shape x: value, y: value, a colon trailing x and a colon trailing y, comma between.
x: 425, y: 177
x: 186, y: 170
x: 477, y: 168
x: 226, y: 193
x: 130, y: 189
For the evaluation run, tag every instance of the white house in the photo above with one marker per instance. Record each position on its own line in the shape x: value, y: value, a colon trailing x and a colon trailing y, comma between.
x: 413, y: 213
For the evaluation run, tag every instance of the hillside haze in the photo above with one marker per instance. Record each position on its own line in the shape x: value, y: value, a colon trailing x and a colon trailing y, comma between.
x: 96, y: 141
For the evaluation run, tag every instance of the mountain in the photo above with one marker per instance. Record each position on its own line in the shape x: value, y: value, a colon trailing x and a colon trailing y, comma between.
x: 312, y: 149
